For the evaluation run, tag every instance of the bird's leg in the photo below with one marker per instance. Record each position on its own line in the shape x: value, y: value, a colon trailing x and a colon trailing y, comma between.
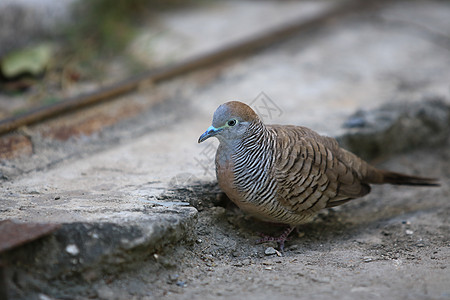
x: 280, y: 239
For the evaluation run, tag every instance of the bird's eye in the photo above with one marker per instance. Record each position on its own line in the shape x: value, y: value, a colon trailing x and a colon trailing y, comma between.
x: 232, y: 122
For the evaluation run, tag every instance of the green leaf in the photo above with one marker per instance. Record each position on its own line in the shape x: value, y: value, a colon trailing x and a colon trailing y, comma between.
x: 32, y: 60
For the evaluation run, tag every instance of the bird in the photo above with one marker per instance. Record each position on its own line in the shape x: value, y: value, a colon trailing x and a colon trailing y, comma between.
x: 286, y: 174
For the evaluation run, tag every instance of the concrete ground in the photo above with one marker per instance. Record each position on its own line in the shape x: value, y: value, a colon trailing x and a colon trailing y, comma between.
x: 139, y: 204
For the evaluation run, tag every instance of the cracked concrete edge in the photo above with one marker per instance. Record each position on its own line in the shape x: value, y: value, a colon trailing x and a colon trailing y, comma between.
x: 83, y: 252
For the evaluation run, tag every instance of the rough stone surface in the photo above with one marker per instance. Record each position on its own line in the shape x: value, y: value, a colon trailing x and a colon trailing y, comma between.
x: 397, y: 127
x: 83, y: 252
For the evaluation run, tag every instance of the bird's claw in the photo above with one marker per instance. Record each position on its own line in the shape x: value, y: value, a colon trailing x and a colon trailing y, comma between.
x: 280, y: 239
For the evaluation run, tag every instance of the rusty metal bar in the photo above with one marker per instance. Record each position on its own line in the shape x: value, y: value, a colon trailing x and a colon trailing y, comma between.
x: 234, y: 50
x: 14, y: 234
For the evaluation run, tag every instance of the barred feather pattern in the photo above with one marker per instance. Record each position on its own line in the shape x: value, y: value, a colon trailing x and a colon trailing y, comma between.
x: 283, y: 174
x: 253, y: 160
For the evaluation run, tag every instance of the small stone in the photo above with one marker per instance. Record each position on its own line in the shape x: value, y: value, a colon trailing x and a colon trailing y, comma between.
x: 300, y: 234
x: 105, y: 292
x: 409, y: 231
x: 321, y: 279
x: 44, y: 297
x: 270, y: 251
x: 181, y: 283
x: 72, y: 249
x: 292, y: 247
x: 173, y: 278
x: 367, y: 259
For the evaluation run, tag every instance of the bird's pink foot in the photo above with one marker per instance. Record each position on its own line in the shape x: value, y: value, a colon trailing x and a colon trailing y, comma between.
x: 280, y: 239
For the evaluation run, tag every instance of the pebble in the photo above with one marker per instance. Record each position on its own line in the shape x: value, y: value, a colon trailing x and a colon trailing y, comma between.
x: 270, y: 251
x: 321, y: 279
x: 72, y: 249
x: 292, y: 247
x: 105, y: 292
x: 367, y: 259
x: 181, y: 283
x: 44, y: 297
x: 300, y: 234
x: 94, y: 235
x: 173, y: 278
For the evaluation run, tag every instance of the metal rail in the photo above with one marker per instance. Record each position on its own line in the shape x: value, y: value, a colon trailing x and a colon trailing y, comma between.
x: 237, y: 49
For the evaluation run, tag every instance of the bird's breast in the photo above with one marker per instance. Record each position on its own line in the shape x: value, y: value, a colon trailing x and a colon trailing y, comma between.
x: 244, y: 177
x: 225, y: 175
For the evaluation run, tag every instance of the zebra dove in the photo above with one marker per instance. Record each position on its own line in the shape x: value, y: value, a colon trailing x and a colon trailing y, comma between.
x: 286, y: 174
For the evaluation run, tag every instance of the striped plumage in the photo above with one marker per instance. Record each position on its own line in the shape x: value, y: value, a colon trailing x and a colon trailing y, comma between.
x: 286, y: 174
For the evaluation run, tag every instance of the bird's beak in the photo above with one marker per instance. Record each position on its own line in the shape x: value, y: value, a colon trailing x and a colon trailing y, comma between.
x: 211, y: 131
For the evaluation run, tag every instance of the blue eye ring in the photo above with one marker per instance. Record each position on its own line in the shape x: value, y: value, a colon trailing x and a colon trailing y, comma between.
x: 231, y: 122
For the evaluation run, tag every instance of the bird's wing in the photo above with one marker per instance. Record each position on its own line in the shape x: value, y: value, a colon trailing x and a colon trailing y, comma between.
x: 311, y: 172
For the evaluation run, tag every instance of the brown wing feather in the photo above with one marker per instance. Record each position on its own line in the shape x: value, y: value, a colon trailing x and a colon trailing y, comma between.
x: 313, y: 172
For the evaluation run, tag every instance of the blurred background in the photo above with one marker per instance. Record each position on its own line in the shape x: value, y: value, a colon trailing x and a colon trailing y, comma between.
x: 50, y: 51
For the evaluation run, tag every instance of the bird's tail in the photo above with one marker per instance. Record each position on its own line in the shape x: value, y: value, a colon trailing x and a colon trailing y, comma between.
x: 403, y: 179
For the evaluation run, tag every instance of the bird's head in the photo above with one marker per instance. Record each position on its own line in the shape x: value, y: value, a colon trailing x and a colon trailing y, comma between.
x: 230, y: 122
